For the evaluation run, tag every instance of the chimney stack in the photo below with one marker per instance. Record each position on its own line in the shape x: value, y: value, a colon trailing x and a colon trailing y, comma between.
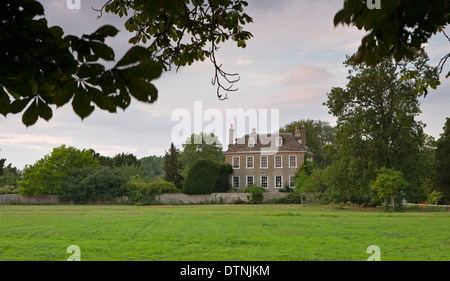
x: 303, y: 133
x: 231, y: 135
x: 297, y: 133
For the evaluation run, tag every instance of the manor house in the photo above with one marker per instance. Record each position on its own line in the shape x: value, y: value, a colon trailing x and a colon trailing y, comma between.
x: 266, y: 160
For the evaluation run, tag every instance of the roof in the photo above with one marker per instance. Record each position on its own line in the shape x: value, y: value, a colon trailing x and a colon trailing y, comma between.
x: 266, y: 141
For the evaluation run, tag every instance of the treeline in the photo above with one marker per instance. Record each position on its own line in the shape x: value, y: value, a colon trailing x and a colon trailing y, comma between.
x: 85, y: 175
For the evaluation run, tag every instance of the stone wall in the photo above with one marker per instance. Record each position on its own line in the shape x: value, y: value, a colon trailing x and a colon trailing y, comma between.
x: 7, y: 199
x: 171, y: 198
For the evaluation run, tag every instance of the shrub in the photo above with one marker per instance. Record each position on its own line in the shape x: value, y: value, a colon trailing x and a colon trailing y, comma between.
x: 206, y: 176
x: 82, y: 185
x: 256, y: 194
x: 9, y: 189
x: 144, y: 192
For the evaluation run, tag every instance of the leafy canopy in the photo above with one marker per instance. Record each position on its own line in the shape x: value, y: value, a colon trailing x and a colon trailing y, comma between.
x: 43, y: 68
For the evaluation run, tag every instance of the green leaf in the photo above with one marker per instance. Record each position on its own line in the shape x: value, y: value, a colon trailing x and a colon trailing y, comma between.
x: 143, y: 91
x: 134, y: 55
x: 103, y: 51
x: 19, y: 105
x: 44, y: 110
x: 106, y: 30
x: 4, y: 102
x: 31, y: 115
x: 81, y: 104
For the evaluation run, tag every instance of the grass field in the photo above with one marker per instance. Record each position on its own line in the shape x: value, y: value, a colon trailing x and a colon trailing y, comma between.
x: 220, y: 233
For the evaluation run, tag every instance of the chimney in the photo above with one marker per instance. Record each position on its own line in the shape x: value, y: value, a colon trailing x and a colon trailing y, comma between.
x: 231, y: 135
x: 303, y: 133
x: 297, y: 133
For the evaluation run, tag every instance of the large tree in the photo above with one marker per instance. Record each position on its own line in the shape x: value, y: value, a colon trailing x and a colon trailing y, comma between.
x: 43, y: 68
x: 443, y: 162
x: 172, y: 167
x: 200, y: 146
x: 376, y: 128
x: 47, y: 174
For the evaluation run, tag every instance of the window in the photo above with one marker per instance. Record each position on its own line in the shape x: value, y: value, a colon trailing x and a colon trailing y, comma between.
x: 249, y: 162
x: 236, y: 162
x: 251, y: 142
x: 277, y: 160
x: 250, y: 180
x: 263, y: 162
x: 278, y: 181
x: 236, y: 183
x: 292, y: 181
x: 292, y: 161
x: 279, y: 141
x: 264, y: 181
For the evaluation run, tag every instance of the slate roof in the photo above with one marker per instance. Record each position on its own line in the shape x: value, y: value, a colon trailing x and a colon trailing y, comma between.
x: 290, y: 143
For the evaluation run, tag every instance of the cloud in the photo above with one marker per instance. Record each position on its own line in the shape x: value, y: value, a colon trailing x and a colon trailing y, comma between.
x: 308, y: 74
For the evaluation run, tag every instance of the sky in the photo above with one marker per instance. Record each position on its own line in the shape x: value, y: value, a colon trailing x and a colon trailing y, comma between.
x: 293, y: 60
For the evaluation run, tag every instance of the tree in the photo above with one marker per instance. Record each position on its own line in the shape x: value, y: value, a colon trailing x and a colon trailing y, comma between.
x: 200, y: 146
x: 167, y: 25
x: 319, y: 134
x: 42, y: 67
x: 172, y: 167
x: 443, y: 162
x: 206, y: 176
x: 153, y: 165
x: 47, y: 174
x: 397, y: 28
x: 390, y: 183
x: 91, y: 183
x: 376, y: 128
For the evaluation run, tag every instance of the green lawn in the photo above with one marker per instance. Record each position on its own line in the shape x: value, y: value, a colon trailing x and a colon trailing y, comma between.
x: 220, y: 232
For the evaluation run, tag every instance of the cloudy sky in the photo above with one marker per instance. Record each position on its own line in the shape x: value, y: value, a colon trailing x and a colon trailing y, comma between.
x: 288, y: 67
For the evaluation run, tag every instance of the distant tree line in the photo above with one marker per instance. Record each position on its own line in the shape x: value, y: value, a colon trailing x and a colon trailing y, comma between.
x: 86, y: 175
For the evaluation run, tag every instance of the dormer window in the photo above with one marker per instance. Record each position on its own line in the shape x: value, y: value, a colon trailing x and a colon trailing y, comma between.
x: 251, y: 142
x: 279, y: 141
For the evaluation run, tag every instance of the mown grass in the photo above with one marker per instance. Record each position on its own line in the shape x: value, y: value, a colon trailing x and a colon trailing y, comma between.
x: 220, y: 232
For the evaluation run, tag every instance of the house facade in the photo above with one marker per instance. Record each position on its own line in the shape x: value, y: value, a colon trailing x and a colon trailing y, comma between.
x: 269, y: 161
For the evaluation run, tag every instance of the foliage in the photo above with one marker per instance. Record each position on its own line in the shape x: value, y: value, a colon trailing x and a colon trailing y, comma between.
x: 182, y: 32
x: 319, y: 134
x: 172, y: 167
x: 256, y: 193
x: 47, y: 174
x: 443, y: 162
x: 120, y: 159
x: 436, y: 197
x: 153, y: 165
x: 200, y: 146
x: 206, y: 176
x: 128, y: 171
x: 9, y: 189
x: 10, y: 176
x: 376, y: 128
x: 141, y: 191
x: 82, y: 185
x: 398, y: 29
x: 388, y: 183
x: 42, y: 68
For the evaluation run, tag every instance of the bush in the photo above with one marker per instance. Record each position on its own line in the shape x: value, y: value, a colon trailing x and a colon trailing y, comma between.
x: 82, y: 185
x: 206, y: 176
x: 256, y: 193
x: 144, y: 192
x: 9, y: 189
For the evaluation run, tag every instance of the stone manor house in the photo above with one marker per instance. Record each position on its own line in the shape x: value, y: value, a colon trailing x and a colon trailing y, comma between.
x: 266, y: 160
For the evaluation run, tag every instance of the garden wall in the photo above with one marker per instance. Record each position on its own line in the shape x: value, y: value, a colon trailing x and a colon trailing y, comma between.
x: 172, y: 198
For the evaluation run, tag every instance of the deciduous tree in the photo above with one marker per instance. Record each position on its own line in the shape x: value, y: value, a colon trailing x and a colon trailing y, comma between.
x: 376, y: 128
